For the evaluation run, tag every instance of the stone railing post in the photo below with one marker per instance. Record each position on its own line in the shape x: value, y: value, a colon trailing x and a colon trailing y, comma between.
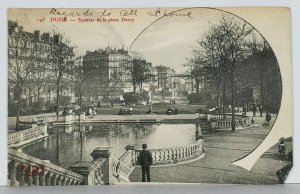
x: 82, y: 115
x: 68, y: 118
x: 97, y: 172
x: 106, y: 154
x: 43, y: 127
x: 198, y: 132
x: 12, y: 173
x: 131, y: 148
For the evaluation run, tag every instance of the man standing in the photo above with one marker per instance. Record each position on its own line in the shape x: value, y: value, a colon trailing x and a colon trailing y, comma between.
x: 254, y: 110
x: 268, y: 118
x: 145, y: 160
x: 260, y: 110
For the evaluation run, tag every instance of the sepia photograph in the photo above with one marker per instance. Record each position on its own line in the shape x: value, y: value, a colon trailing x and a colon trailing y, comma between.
x: 105, y: 96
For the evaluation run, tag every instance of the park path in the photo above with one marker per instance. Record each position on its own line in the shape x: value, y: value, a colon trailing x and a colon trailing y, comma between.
x: 223, y: 147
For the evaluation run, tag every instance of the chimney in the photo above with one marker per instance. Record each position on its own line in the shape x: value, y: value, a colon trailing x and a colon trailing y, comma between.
x: 56, y: 38
x: 46, y: 37
x: 36, y: 34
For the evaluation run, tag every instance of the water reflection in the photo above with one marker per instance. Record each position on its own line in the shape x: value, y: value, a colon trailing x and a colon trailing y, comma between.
x: 69, y: 144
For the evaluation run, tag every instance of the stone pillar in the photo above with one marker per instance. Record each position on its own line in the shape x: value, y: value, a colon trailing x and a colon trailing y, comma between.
x: 68, y: 118
x: 42, y: 178
x: 28, y: 175
x: 53, y: 180
x: 43, y: 127
x: 131, y: 148
x: 86, y: 170
x: 106, y: 169
x: 63, y: 181
x: 72, y: 182
x: 82, y: 115
x: 12, y: 173
x: 68, y: 182
x: 21, y: 175
x: 58, y: 180
x: 198, y: 132
x: 35, y: 179
x: 48, y: 178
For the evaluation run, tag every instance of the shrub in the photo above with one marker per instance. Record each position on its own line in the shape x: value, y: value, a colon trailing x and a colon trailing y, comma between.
x: 131, y: 98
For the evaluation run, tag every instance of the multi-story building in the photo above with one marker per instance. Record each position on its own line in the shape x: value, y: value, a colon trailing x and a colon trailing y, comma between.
x: 30, y: 52
x: 108, y: 72
x: 164, y: 75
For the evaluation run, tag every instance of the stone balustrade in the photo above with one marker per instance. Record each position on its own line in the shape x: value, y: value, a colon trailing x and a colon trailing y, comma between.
x: 174, y: 155
x: 62, y: 120
x: 243, y: 122
x: 51, y: 118
x: 120, y: 172
x: 123, y: 167
x: 26, y: 136
x: 25, y: 170
x: 217, y: 121
x: 222, y: 116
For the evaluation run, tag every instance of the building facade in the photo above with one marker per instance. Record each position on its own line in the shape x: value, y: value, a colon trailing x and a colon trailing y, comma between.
x: 30, y: 54
x: 109, y: 73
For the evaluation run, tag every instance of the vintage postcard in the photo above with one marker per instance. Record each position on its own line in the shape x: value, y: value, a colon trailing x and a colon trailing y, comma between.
x: 105, y: 96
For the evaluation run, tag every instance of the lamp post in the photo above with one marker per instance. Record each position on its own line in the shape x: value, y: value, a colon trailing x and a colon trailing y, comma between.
x: 174, y: 92
x: 238, y: 100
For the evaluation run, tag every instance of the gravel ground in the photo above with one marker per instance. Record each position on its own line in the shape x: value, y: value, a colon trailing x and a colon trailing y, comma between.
x: 223, y: 147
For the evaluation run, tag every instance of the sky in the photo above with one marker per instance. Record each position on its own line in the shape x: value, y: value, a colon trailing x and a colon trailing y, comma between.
x: 167, y: 41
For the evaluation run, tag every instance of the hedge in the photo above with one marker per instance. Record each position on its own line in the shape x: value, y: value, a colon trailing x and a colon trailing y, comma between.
x: 134, y: 98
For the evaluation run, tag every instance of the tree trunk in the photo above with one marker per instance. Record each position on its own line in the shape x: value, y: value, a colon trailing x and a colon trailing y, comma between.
x: 232, y: 99
x: 80, y: 106
x: 57, y: 94
x: 18, y: 111
x: 38, y: 93
x: 197, y: 85
x: 224, y: 96
x: 57, y: 102
x: 218, y: 94
x: 262, y: 83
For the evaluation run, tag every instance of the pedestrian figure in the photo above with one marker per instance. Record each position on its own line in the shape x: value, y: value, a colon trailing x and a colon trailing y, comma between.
x: 90, y: 111
x: 245, y: 110
x: 268, y: 118
x: 281, y: 148
x: 260, y: 110
x: 254, y: 110
x: 65, y: 112
x: 112, y: 104
x: 145, y: 160
x: 99, y: 104
x: 252, y: 121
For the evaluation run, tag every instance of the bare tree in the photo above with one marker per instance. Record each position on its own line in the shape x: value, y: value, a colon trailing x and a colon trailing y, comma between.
x: 139, y: 71
x: 20, y: 65
x: 221, y: 50
x: 61, y: 57
x: 231, y: 38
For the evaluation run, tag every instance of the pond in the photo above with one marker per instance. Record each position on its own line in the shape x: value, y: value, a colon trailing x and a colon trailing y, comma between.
x: 66, y: 145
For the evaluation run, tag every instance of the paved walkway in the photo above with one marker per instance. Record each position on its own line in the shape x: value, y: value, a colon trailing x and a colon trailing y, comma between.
x: 223, y: 147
